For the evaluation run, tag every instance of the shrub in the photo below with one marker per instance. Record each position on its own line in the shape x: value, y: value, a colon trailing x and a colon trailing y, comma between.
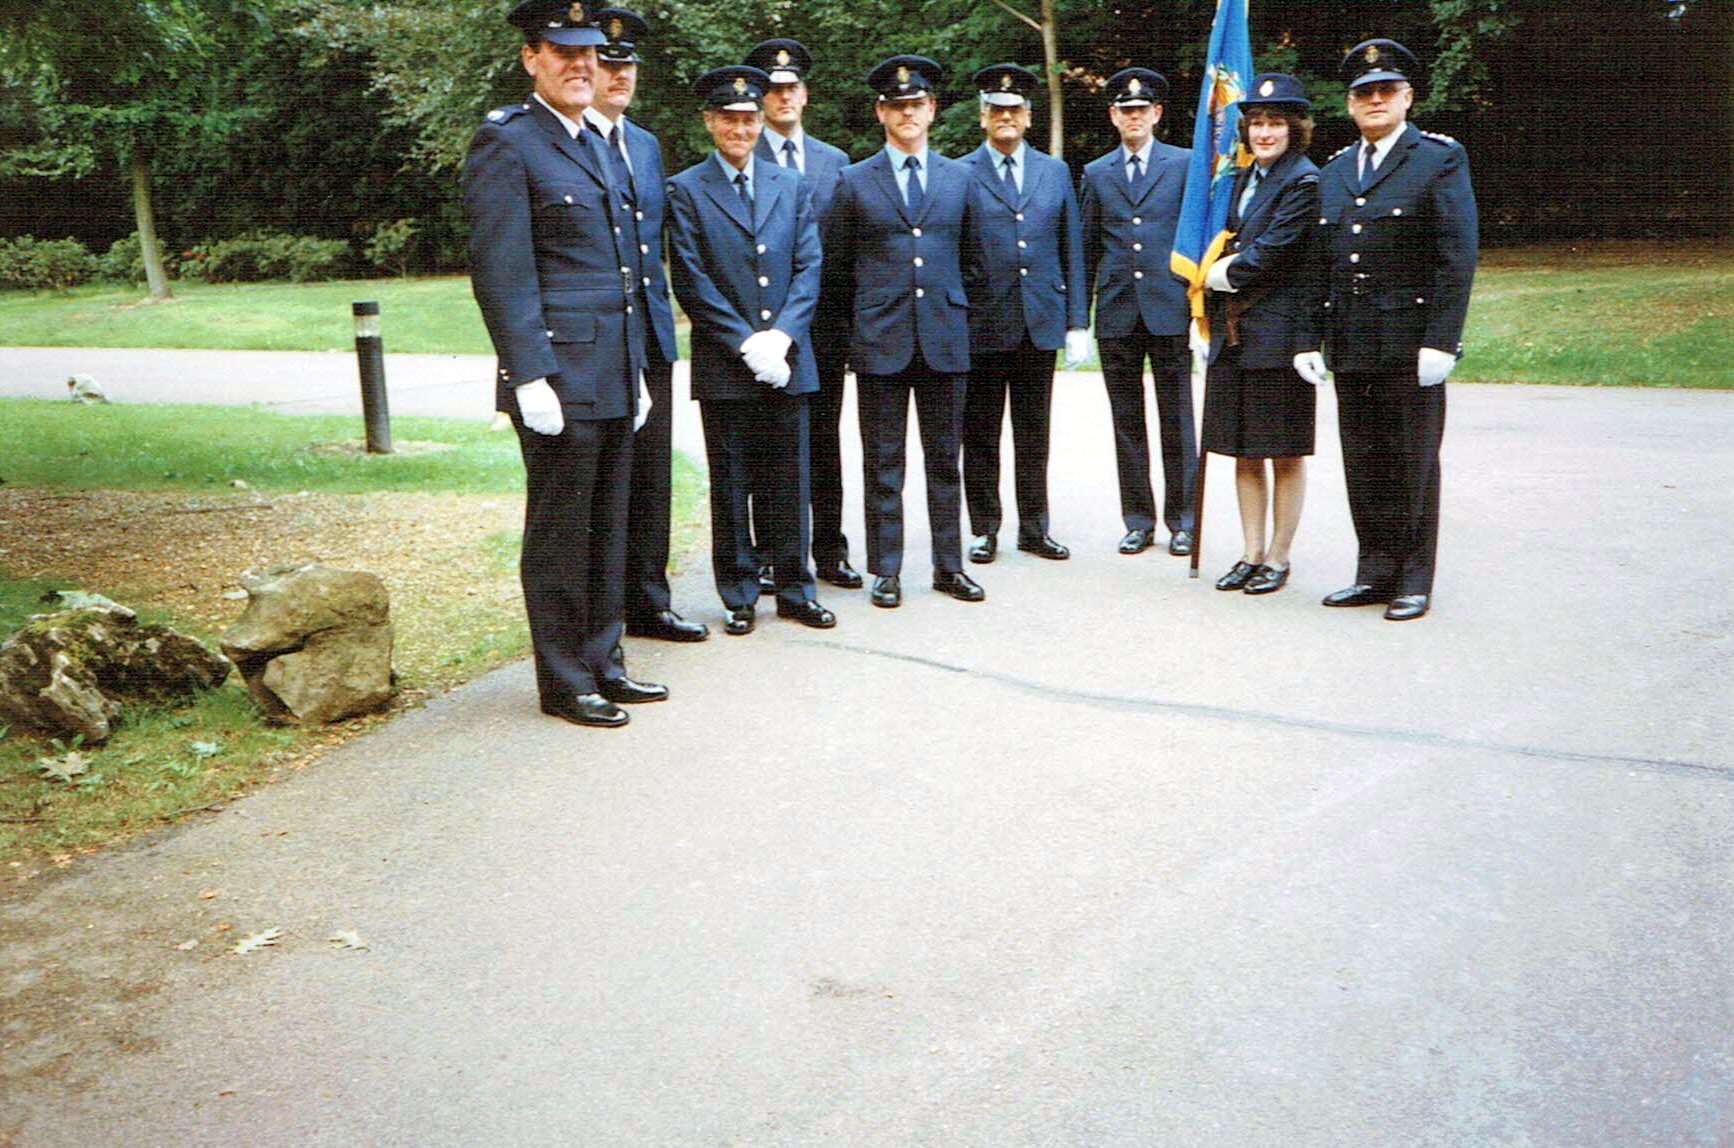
x: 259, y: 255
x: 32, y: 264
x: 124, y: 262
x: 391, y: 246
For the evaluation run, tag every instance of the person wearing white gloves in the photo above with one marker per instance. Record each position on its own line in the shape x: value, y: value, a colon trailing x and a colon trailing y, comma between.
x: 1397, y: 248
x: 545, y: 258
x: 1256, y: 406
x: 1029, y: 299
x: 746, y: 267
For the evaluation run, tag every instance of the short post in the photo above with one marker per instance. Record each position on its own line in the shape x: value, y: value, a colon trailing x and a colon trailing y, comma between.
x: 370, y: 354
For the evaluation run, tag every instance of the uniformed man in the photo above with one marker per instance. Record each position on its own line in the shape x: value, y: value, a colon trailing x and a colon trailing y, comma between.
x: 1030, y: 299
x: 786, y: 143
x: 898, y: 236
x: 746, y: 270
x: 546, y: 257
x: 1398, y: 243
x: 635, y: 161
x: 1131, y: 206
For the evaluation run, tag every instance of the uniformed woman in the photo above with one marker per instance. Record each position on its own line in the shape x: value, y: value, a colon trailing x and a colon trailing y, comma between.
x: 1256, y: 406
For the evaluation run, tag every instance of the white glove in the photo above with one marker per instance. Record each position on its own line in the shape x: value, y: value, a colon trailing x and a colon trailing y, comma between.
x: 1216, y: 279
x: 1434, y: 366
x: 766, y: 354
x: 644, y: 405
x: 1196, y: 340
x: 1077, y: 347
x: 540, y: 407
x: 1310, y: 365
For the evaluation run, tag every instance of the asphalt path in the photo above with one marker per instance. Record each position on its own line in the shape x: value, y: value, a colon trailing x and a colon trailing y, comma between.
x: 1109, y: 859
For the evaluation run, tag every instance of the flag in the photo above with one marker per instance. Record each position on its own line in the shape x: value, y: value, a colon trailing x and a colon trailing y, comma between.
x: 1217, y: 153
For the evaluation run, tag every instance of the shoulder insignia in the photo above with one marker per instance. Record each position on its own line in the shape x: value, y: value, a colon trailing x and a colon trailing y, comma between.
x: 1341, y: 151
x: 1442, y: 138
x: 501, y: 115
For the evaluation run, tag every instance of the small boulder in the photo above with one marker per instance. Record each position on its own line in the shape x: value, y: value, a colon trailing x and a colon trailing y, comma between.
x: 314, y: 644
x: 68, y: 674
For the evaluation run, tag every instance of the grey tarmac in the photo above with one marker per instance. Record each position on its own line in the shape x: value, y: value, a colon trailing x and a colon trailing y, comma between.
x: 1110, y: 859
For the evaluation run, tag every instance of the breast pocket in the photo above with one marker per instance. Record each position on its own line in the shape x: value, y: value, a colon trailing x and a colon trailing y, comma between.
x: 563, y: 211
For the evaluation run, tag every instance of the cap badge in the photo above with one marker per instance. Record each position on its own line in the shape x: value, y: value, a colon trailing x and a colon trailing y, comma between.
x: 615, y: 27
x: 740, y: 85
x: 902, y: 75
x: 783, y: 57
x: 575, y: 14
x: 1267, y: 87
x: 1134, y: 85
x: 1373, y: 54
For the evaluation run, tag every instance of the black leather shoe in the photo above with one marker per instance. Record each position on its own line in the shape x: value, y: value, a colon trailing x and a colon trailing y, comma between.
x: 1268, y: 580
x: 1237, y: 578
x: 668, y: 626
x: 626, y: 692
x: 887, y: 591
x: 808, y: 613
x: 839, y: 573
x: 959, y: 585
x: 1137, y: 541
x: 767, y: 580
x: 985, y: 550
x: 1406, y: 608
x: 1181, y: 543
x: 1360, y: 594
x: 587, y: 709
x: 740, y: 621
x: 1044, y: 547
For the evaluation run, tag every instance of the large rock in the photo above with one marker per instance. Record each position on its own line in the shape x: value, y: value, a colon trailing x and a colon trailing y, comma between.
x: 314, y: 644
x: 68, y: 674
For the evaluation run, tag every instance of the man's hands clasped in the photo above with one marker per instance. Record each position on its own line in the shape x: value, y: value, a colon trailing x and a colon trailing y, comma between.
x: 766, y: 354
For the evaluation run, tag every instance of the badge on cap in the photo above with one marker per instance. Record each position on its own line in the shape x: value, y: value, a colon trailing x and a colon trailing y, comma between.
x: 740, y: 85
x: 1005, y: 81
x: 902, y: 75
x: 1134, y: 85
x: 782, y: 57
x: 1267, y: 87
x: 575, y: 13
x: 615, y: 27
x: 1372, y: 53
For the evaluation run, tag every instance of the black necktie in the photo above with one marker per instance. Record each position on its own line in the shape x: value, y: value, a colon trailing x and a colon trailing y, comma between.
x: 789, y: 154
x: 1369, y: 164
x: 912, y: 194
x: 617, y: 169
x: 1005, y: 171
x: 746, y: 192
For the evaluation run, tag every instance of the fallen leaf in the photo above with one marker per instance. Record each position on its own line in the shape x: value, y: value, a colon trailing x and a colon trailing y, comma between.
x: 207, y: 894
x: 65, y: 767
x: 347, y: 940
x: 187, y: 946
x: 257, y: 941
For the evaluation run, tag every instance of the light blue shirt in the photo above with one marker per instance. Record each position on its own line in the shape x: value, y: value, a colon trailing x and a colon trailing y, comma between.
x: 729, y: 171
x: 1019, y: 158
x: 898, y: 159
x: 1143, y: 155
x: 798, y: 138
x: 1260, y: 174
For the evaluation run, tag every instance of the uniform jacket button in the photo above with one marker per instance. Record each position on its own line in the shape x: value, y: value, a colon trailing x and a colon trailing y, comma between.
x: 1360, y: 201
x: 1354, y: 257
x: 764, y: 314
x: 916, y: 233
x: 1137, y: 275
x: 1137, y: 247
x: 764, y: 281
x: 1023, y: 270
x: 1356, y: 229
x: 1137, y: 221
x: 1019, y: 217
x: 761, y: 249
x: 918, y: 261
x: 920, y: 294
x: 1022, y: 243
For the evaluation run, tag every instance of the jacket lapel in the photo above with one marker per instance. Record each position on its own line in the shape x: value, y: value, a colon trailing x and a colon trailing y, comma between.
x: 888, y: 185
x: 1152, y: 176
x: 723, y: 193
x: 1399, y: 152
x: 986, y: 163
x: 764, y: 198
x: 580, y: 153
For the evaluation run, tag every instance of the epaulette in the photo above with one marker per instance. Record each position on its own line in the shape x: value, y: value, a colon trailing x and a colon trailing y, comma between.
x: 1341, y: 151
x: 503, y: 115
x: 1442, y: 138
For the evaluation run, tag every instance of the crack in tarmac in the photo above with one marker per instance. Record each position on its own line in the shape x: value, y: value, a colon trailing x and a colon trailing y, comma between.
x: 1676, y: 766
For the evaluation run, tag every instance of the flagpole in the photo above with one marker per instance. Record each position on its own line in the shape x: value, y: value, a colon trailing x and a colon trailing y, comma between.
x: 1201, y: 367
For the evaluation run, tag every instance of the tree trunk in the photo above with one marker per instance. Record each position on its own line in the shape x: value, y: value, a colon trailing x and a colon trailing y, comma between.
x: 155, y: 277
x: 1056, y: 94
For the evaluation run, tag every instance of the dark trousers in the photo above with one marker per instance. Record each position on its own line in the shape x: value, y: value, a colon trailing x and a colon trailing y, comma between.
x: 1171, y: 373
x: 757, y: 448
x: 1391, y: 428
x: 1027, y: 374
x: 883, y: 405
x: 575, y: 506
x: 825, y: 442
x: 647, y: 518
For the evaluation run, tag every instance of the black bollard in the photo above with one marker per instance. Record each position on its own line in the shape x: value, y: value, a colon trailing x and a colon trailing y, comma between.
x: 370, y: 354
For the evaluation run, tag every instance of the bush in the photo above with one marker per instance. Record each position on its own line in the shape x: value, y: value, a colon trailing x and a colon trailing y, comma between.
x: 391, y: 246
x: 124, y: 262
x: 260, y: 255
x: 31, y: 264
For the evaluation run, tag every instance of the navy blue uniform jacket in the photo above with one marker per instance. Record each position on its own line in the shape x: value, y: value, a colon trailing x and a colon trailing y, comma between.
x: 825, y: 165
x: 737, y: 275
x: 904, y: 275
x: 1127, y: 243
x: 648, y: 178
x: 1397, y: 259
x: 1031, y: 273
x: 1272, y: 246
x: 545, y: 260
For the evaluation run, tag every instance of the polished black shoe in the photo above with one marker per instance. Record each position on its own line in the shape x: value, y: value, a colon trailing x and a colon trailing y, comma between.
x: 1237, y: 578
x: 1406, y: 608
x: 808, y: 613
x: 985, y: 550
x: 1137, y: 541
x: 1360, y: 594
x: 1181, y: 543
x: 740, y: 621
x: 668, y: 626
x: 839, y: 573
x: 587, y: 709
x: 887, y: 591
x: 1044, y: 547
x: 1268, y: 580
x: 626, y: 692
x: 959, y: 585
x: 767, y: 580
